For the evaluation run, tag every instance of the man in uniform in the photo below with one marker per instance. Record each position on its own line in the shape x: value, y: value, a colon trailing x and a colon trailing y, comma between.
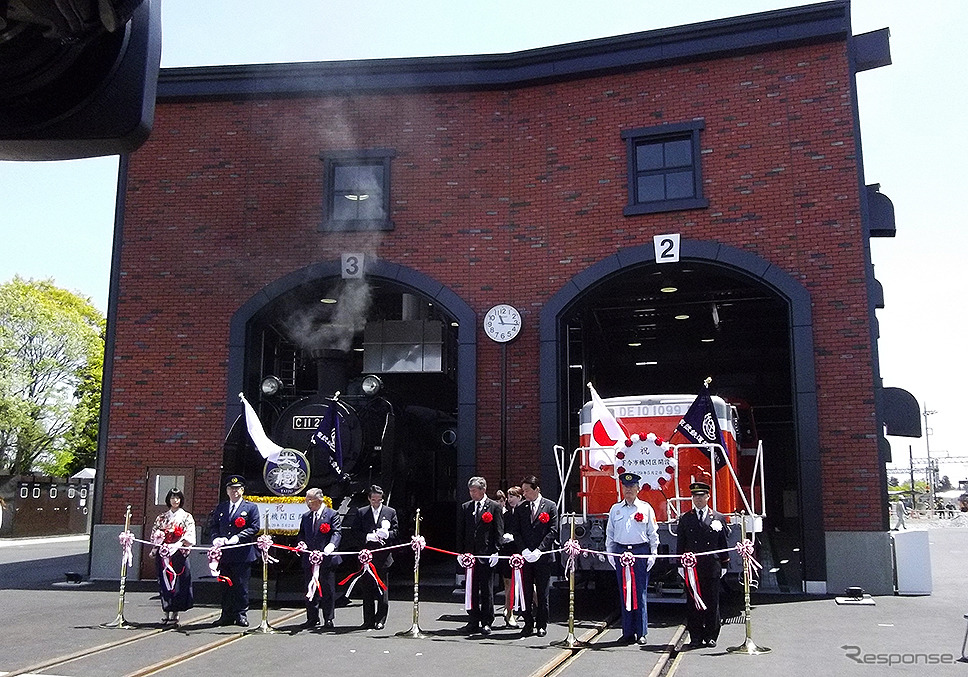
x: 479, y: 533
x: 702, y: 529
x: 535, y: 532
x: 319, y: 529
x: 377, y: 523
x: 632, y: 528
x: 234, y: 522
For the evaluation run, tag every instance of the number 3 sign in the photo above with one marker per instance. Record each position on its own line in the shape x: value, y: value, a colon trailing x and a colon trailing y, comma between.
x: 666, y: 248
x: 352, y: 266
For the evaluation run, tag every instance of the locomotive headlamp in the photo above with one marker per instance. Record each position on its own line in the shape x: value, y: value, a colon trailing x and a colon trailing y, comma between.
x: 271, y: 385
x: 371, y: 385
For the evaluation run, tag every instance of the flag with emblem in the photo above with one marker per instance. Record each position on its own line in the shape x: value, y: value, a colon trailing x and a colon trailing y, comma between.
x: 327, y: 436
x: 606, y: 434
x: 700, y: 425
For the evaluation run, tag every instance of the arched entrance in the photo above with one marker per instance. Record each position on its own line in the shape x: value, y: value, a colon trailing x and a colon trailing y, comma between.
x: 319, y: 333
x: 637, y: 327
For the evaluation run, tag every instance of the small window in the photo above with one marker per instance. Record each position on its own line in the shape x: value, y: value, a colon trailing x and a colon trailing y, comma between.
x: 357, y: 190
x: 24, y: 492
x: 664, y: 168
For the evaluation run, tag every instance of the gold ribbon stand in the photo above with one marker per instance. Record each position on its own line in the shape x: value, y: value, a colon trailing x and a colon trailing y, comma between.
x: 748, y: 647
x: 264, y: 626
x: 570, y: 641
x: 119, y: 622
x: 415, y: 630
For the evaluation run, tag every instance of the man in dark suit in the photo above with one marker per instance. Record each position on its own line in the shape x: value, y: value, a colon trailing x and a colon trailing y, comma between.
x: 233, y: 522
x: 535, y: 532
x: 700, y: 530
x: 319, y: 530
x: 377, y: 523
x: 479, y: 533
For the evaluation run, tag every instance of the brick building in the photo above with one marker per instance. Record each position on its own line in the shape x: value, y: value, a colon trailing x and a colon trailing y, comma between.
x: 418, y: 193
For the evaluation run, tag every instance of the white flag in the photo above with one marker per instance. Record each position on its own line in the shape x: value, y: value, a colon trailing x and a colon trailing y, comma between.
x: 607, y: 433
x: 269, y: 449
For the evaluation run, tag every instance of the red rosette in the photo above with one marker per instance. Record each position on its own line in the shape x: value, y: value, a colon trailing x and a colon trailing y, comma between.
x: 324, y: 528
x: 178, y: 531
x: 487, y: 518
x: 240, y: 522
x: 639, y: 517
x: 544, y: 517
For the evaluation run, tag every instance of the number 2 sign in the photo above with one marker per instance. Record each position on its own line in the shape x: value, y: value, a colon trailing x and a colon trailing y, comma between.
x: 666, y: 248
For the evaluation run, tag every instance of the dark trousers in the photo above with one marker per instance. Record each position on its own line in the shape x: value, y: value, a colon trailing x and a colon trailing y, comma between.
x: 704, y: 625
x: 536, y: 580
x: 635, y: 623
x: 376, y: 602
x: 482, y: 594
x: 324, y: 598
x: 235, y: 597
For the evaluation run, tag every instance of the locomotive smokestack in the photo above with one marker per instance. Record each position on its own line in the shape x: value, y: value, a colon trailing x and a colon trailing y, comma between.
x: 331, y: 370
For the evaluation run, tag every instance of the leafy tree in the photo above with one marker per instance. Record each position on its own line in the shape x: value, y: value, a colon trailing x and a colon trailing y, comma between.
x: 945, y: 484
x: 51, y: 359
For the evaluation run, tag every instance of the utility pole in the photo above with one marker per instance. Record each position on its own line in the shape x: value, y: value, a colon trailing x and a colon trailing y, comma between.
x: 927, y: 448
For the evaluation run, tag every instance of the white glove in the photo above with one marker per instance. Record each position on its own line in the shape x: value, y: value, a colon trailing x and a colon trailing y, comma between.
x: 611, y: 561
x: 301, y: 545
x: 533, y: 555
x: 372, y: 537
x: 233, y: 540
x: 328, y: 550
x: 385, y: 524
x: 650, y: 564
x: 492, y: 560
x: 218, y: 542
x: 722, y: 572
x: 507, y: 538
x: 525, y: 554
x: 682, y: 573
x: 383, y: 533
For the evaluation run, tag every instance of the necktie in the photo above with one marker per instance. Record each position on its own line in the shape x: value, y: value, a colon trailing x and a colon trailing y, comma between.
x: 534, y: 511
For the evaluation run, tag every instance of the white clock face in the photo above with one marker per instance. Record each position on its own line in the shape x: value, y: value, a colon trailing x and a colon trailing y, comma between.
x: 502, y: 323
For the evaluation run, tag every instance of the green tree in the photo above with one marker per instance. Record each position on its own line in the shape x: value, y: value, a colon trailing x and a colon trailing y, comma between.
x: 51, y: 359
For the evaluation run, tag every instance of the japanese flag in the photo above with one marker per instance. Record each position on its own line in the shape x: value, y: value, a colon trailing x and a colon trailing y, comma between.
x: 607, y: 433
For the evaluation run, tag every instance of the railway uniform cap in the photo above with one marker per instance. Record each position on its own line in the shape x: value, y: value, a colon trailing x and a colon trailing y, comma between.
x: 235, y: 481
x: 629, y: 478
x: 699, y: 488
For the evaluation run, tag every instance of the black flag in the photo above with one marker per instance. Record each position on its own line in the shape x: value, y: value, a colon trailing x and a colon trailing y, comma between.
x: 327, y: 436
x: 700, y: 425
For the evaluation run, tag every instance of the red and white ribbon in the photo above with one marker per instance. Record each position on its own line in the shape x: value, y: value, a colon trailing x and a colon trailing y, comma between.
x: 627, y: 560
x: 572, y: 548
x: 517, y: 582
x: 692, y: 580
x: 315, y: 558
x: 745, y: 549
x: 366, y: 568
x: 264, y: 542
x: 126, y: 539
x: 168, y: 573
x: 466, y: 561
x: 214, y: 558
x: 417, y: 544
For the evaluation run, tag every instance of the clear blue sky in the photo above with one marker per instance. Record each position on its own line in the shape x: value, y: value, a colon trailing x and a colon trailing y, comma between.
x: 58, y: 217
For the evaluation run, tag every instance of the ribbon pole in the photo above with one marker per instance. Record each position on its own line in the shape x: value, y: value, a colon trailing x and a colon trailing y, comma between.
x: 265, y: 541
x: 572, y: 549
x: 126, y: 538
x: 418, y: 544
x: 748, y: 647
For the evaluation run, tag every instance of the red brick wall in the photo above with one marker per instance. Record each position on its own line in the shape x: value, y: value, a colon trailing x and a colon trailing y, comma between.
x: 502, y: 196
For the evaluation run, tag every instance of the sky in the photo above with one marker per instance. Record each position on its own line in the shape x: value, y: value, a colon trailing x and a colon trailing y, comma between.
x: 57, y: 217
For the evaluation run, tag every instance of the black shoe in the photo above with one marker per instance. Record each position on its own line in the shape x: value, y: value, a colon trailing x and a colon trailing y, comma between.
x: 378, y: 625
x: 527, y: 631
x: 329, y: 625
x: 470, y: 628
x: 627, y: 639
x: 366, y: 626
x: 242, y: 622
x: 224, y: 620
x: 309, y: 625
x: 542, y: 632
x: 486, y: 630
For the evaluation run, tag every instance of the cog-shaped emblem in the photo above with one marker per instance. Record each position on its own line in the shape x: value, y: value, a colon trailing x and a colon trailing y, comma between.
x: 289, y: 475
